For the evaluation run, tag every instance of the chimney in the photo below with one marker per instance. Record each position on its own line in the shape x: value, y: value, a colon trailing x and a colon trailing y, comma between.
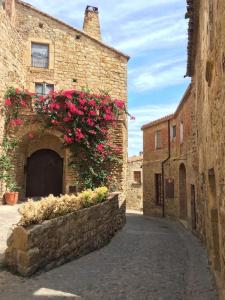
x: 10, y: 8
x: 91, y: 22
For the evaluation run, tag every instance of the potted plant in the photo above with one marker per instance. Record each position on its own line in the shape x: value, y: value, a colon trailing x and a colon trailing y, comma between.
x: 7, y: 169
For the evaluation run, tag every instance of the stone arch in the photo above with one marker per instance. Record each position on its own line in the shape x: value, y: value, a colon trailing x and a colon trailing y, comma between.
x: 48, y: 139
x: 183, y: 191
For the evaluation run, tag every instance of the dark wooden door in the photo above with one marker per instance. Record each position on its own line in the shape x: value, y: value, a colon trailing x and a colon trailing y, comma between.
x: 44, y: 174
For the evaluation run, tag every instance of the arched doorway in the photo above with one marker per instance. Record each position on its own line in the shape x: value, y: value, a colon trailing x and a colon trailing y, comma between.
x: 44, y: 174
x: 183, y: 192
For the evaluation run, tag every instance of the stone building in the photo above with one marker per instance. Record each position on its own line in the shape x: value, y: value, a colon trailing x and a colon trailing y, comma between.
x: 193, y: 175
x: 41, y: 53
x: 167, y: 147
x: 134, y: 183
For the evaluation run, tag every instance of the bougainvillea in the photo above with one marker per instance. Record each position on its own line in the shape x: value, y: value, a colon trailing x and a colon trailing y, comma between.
x: 85, y: 120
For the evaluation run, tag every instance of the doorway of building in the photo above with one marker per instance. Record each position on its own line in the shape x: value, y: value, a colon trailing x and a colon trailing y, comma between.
x: 193, y: 208
x: 44, y: 174
x: 183, y: 192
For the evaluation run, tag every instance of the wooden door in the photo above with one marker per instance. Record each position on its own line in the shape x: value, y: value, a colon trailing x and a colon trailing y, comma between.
x: 44, y: 174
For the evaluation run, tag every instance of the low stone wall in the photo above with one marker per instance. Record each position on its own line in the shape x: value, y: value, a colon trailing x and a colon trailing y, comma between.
x: 62, y: 239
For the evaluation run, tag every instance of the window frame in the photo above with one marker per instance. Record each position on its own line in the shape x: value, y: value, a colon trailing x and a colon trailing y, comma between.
x: 158, y: 140
x: 44, y: 88
x: 135, y: 177
x: 181, y: 132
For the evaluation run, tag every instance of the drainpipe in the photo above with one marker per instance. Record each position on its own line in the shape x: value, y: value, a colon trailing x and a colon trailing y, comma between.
x: 163, y: 163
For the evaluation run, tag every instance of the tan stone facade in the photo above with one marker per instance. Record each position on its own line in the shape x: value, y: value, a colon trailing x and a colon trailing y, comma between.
x: 135, y: 183
x: 73, y: 54
x: 195, y: 166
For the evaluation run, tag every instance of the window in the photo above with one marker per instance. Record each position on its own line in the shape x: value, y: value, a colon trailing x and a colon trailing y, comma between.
x: 181, y: 132
x: 158, y: 189
x: 137, y: 176
x: 43, y: 88
x: 158, y: 139
x: 40, y: 55
x: 174, y: 131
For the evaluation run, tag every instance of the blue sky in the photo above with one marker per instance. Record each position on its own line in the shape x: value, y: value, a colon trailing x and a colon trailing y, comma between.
x: 154, y: 34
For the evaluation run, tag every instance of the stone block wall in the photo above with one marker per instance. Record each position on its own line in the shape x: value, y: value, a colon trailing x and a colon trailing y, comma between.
x: 59, y: 240
x: 73, y: 54
x: 134, y: 186
x: 12, y: 72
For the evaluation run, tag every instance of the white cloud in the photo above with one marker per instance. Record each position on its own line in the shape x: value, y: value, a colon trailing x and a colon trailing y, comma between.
x: 159, y: 75
x: 144, y: 115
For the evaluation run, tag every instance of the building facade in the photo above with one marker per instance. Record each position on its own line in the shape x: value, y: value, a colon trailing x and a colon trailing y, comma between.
x: 183, y: 167
x: 135, y: 183
x: 41, y: 53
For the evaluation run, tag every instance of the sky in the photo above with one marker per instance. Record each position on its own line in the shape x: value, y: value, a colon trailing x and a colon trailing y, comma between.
x: 154, y: 34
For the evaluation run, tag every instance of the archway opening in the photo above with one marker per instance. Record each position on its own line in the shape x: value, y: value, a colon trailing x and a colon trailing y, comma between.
x: 183, y: 192
x: 44, y: 174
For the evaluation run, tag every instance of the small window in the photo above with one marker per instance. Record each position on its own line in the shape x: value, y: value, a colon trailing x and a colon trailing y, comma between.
x: 137, y: 176
x: 174, y: 131
x: 42, y: 89
x: 40, y: 55
x: 181, y: 132
x: 158, y: 139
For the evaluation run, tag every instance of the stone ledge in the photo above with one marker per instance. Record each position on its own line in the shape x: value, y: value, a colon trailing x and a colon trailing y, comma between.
x: 62, y: 239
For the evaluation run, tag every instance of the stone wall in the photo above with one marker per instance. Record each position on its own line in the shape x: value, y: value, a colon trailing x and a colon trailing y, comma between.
x: 134, y: 186
x: 12, y: 72
x: 59, y: 240
x: 73, y: 54
x: 208, y: 82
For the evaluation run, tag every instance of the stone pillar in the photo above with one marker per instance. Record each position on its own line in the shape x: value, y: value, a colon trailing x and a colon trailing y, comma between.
x: 10, y: 8
x: 91, y: 22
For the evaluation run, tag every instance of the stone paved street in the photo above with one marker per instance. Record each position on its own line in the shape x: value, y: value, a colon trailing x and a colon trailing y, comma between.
x: 8, y: 216
x: 150, y: 259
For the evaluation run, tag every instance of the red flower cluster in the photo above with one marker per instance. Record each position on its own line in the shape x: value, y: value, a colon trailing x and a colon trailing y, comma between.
x: 84, y: 119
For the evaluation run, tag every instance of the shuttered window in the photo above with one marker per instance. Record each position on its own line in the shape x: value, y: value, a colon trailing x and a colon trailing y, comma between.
x: 137, y: 176
x: 158, y: 142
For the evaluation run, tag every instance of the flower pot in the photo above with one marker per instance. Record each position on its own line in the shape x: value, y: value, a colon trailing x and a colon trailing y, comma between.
x: 11, y: 198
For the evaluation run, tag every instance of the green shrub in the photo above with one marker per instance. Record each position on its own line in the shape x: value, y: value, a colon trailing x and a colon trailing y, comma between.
x: 36, y: 212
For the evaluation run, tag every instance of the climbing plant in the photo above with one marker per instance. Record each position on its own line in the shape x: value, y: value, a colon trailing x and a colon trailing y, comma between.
x: 85, y: 120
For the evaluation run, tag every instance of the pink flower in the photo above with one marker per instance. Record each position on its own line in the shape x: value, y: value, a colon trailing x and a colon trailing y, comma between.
x: 92, y: 113
x: 55, y: 122
x: 67, y: 119
x: 90, y: 122
x: 16, y: 122
x: 68, y: 139
x: 132, y: 118
x: 119, y: 103
x: 100, y: 147
x: 92, y: 102
x: 8, y: 102
x: 23, y: 103
x: 108, y: 117
x: 68, y: 94
x: 79, y: 134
